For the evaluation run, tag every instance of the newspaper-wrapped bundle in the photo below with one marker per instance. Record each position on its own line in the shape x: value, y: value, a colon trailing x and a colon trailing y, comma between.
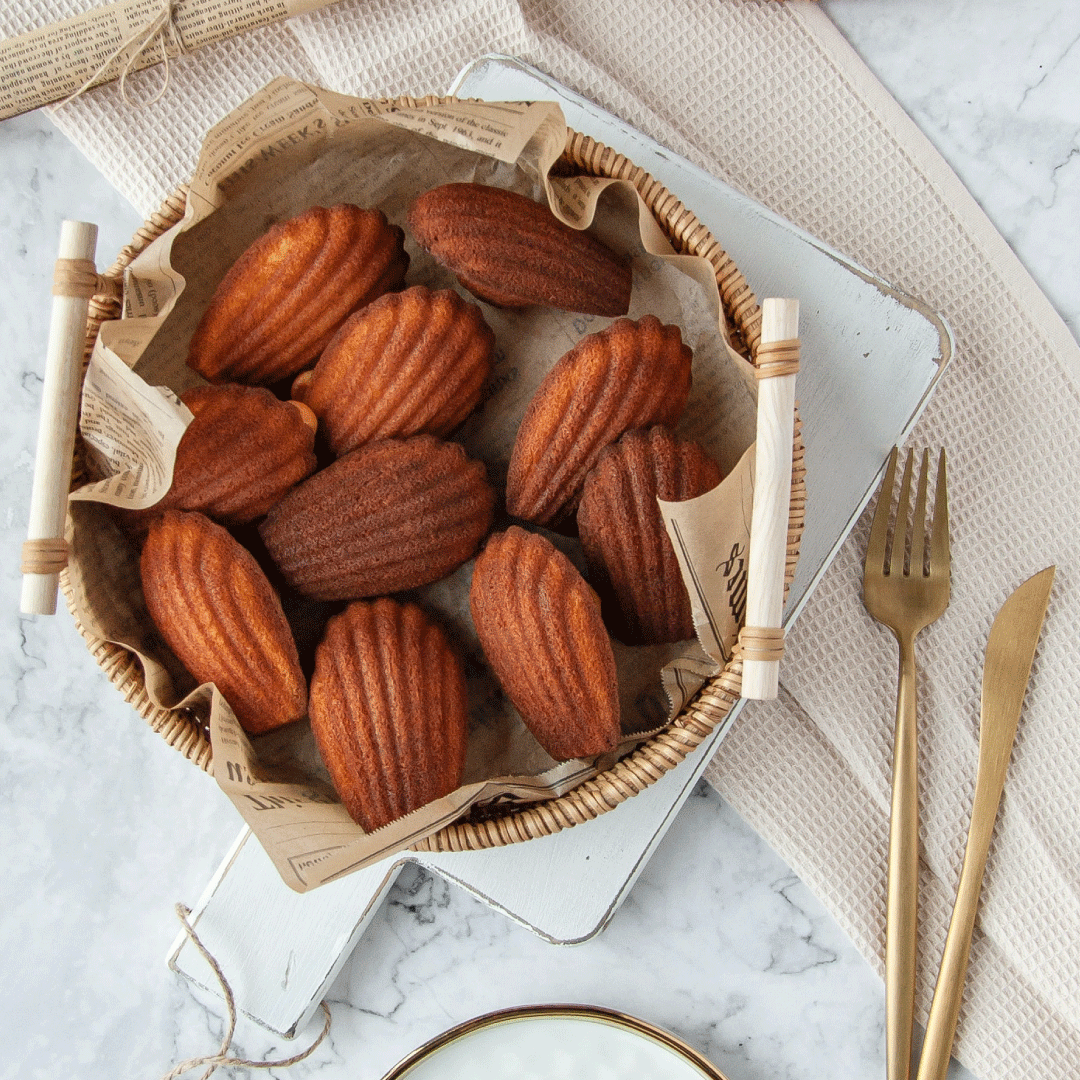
x: 293, y: 146
x: 65, y: 58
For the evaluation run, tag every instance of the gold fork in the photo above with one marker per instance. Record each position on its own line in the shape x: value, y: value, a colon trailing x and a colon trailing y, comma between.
x: 905, y: 587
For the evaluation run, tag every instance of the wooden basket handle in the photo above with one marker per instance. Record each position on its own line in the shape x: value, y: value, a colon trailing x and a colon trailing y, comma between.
x: 762, y: 637
x: 75, y: 281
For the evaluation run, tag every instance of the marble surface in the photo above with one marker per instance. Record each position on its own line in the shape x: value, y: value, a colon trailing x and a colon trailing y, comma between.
x: 104, y: 827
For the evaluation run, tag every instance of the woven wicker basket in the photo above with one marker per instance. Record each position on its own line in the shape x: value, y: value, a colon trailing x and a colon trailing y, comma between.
x: 187, y: 732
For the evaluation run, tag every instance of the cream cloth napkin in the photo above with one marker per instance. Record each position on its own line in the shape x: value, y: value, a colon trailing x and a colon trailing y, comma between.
x: 773, y: 100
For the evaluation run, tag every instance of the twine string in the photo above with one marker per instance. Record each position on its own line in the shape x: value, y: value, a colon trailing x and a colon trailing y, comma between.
x: 161, y: 26
x: 215, y: 1061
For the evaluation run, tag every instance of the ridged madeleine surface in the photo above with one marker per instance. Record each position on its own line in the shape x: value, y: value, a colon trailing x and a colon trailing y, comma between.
x: 388, y: 710
x: 391, y: 515
x: 285, y: 297
x: 633, y: 374
x: 216, y: 610
x: 623, y: 534
x: 410, y: 362
x: 242, y: 453
x: 540, y: 627
x: 511, y: 251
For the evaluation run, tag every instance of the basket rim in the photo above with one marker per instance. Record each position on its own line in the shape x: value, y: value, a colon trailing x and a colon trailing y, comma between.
x: 185, y: 732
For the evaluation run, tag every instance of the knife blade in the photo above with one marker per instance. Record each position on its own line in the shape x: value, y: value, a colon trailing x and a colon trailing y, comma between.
x: 1010, y: 653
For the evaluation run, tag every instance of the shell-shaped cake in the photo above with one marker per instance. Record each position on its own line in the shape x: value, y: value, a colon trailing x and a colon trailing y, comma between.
x: 623, y: 535
x: 388, y: 710
x: 630, y: 375
x: 289, y: 292
x: 216, y: 610
x: 512, y: 251
x: 411, y: 362
x: 390, y: 515
x: 243, y: 451
x: 541, y: 630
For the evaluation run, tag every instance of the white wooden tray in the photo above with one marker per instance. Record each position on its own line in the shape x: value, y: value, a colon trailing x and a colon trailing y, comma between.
x: 871, y: 357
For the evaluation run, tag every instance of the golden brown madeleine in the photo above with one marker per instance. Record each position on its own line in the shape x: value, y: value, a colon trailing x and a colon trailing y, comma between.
x: 391, y: 515
x: 623, y: 534
x: 410, y: 362
x: 214, y: 607
x: 287, y: 294
x: 511, y: 251
x: 540, y: 626
x: 242, y: 453
x: 633, y: 374
x: 388, y: 710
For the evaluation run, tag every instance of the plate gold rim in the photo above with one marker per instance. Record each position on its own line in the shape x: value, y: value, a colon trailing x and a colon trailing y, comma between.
x: 595, y: 1012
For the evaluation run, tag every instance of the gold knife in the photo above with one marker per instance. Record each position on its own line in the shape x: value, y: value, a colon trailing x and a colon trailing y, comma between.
x: 1009, y: 656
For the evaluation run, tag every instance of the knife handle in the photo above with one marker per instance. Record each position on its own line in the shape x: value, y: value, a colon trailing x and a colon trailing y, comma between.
x: 903, y: 882
x: 945, y: 1007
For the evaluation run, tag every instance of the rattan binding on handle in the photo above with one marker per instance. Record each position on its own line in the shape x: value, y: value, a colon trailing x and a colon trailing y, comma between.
x: 776, y: 358
x: 649, y: 762
x: 79, y: 277
x: 764, y: 643
x: 44, y: 556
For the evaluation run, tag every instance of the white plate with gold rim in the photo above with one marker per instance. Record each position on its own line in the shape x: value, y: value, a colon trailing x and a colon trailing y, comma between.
x: 555, y: 1042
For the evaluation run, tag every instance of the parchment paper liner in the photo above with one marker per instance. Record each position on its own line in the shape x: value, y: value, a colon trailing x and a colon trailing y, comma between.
x: 281, y: 151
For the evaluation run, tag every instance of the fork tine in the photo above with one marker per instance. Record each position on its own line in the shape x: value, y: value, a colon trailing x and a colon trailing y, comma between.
x: 879, y: 528
x: 902, y: 530
x: 939, y: 538
x: 920, y: 536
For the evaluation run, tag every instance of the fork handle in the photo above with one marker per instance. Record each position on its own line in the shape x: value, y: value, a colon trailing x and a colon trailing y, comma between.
x: 903, y: 884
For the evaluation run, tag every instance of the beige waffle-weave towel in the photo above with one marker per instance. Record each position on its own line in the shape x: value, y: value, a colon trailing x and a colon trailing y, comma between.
x: 771, y: 98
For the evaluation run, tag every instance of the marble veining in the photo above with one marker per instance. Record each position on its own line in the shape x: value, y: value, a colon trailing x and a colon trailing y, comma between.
x: 715, y: 943
x: 103, y: 827
x: 995, y: 89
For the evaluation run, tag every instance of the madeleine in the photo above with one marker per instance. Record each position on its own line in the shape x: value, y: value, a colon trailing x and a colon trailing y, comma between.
x: 216, y: 610
x: 540, y: 627
x: 286, y: 296
x: 631, y: 375
x: 388, y: 710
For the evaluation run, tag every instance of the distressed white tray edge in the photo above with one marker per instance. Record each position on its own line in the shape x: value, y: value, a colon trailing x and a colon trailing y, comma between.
x: 349, y: 917
x: 687, y: 775
x: 798, y: 600
x: 247, y: 872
